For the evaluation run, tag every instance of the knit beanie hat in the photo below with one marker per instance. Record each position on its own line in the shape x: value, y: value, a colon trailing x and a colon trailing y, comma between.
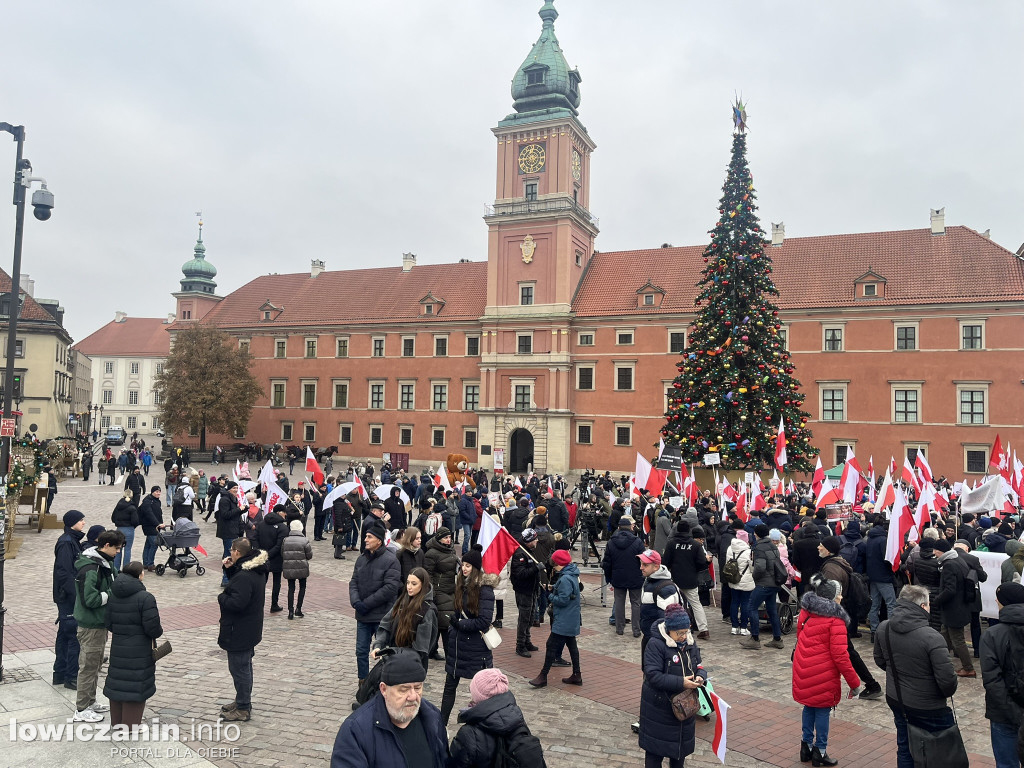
x: 829, y: 589
x: 561, y: 557
x: 775, y: 534
x: 441, y: 533
x: 743, y: 536
x: 760, y: 530
x: 474, y: 557
x: 984, y: 522
x: 296, y: 525
x: 1010, y: 593
x: 676, y: 617
x: 402, y: 668
x: 72, y: 517
x: 376, y: 530
x: 487, y: 683
x: 832, y: 544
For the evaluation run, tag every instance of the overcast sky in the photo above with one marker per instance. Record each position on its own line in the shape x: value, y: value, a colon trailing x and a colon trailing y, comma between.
x: 354, y: 131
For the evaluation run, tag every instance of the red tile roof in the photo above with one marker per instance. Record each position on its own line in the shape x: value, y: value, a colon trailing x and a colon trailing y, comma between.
x: 31, y: 310
x: 919, y: 268
x: 134, y: 336
x: 358, y: 296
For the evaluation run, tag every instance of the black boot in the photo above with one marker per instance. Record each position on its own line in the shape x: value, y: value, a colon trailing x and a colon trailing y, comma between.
x: 821, y: 758
x: 291, y: 613
x: 521, y: 651
x: 805, y: 752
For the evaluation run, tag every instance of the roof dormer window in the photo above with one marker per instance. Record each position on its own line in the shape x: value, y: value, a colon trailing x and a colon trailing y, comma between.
x: 428, y: 309
x: 648, y: 299
x: 535, y: 77
x: 870, y: 289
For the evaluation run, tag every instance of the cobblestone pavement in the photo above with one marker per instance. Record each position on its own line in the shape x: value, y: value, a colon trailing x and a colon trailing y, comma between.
x: 305, y: 671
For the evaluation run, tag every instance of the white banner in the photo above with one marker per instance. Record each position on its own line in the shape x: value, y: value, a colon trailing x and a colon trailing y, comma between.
x: 991, y: 562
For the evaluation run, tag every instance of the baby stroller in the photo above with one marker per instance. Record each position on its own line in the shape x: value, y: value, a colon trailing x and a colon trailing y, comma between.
x: 184, y: 535
x: 787, y: 605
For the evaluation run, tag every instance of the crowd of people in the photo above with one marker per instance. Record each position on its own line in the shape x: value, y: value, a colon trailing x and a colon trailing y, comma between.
x: 421, y: 595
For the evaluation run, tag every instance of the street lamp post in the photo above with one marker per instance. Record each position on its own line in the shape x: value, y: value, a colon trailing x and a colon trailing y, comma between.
x: 42, y: 202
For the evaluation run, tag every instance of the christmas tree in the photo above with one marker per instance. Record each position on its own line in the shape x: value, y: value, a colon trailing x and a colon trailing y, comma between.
x: 736, y: 380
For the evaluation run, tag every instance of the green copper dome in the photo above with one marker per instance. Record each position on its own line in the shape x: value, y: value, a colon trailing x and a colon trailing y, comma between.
x: 198, y: 272
x: 544, y: 87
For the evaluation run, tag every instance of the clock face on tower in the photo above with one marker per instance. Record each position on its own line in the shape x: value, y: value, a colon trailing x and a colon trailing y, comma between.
x: 577, y: 165
x: 531, y: 158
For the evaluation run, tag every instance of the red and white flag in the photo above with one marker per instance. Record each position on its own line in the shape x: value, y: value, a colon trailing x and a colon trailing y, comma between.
x: 925, y: 507
x: 741, y: 504
x: 275, y: 496
x: 1000, y: 459
x: 757, y: 502
x: 780, y: 446
x: 828, y: 494
x: 922, y: 466
x: 910, y: 477
x: 518, y: 484
x: 886, y: 496
x: 871, y: 479
x: 817, y: 478
x: 238, y: 471
x: 899, y: 525
x: 498, y: 545
x: 266, y: 474
x: 849, y: 483
x: 722, y: 709
x: 774, y: 484
x: 441, y: 479
x: 313, y: 467
x: 648, y: 477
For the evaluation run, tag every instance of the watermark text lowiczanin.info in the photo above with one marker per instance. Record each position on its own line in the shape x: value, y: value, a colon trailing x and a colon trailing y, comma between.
x: 151, y: 732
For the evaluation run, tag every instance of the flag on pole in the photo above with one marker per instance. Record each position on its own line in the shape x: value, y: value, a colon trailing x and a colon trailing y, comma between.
x: 722, y: 709
x: 741, y: 504
x: 647, y: 477
x: 886, y: 496
x: 892, y: 466
x: 275, y: 496
x: 238, y: 470
x: 999, y: 458
x: 922, y: 465
x: 899, y: 525
x: 441, y: 479
x: 817, y: 478
x: 266, y: 474
x: 849, y: 483
x: 871, y: 479
x: 498, y: 545
x: 780, y: 446
x: 313, y: 467
x: 828, y: 494
x: 757, y: 502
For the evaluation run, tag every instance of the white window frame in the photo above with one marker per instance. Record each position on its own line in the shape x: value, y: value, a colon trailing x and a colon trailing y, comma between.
x: 133, y: 422
x: 619, y: 365
x: 837, y: 443
x: 465, y: 386
x: 303, y: 383
x: 413, y: 340
x: 108, y: 365
x: 306, y: 427
x: 592, y: 367
x: 522, y: 335
x: 668, y: 340
x: 134, y: 368
x: 924, y: 448
x: 985, y: 448
x: 284, y: 392
x: 383, y: 346
x: 335, y: 383
x: 615, y: 434
x: 589, y: 425
x: 782, y: 334
x: 618, y: 337
x: 291, y: 431
x: 972, y: 386
x: 133, y: 391
x: 341, y: 432
x: 447, y: 345
x: 532, y: 285
x: 479, y: 345
x: 522, y: 382
x: 434, y: 429
x: 403, y: 427
x: 960, y: 330
x: 874, y: 290
x: 383, y: 384
x: 380, y: 434
x: 914, y: 386
x: 278, y: 341
x: 833, y: 326
x: 433, y: 395
x: 841, y: 385
x: 305, y: 347
x: 406, y: 383
x: 916, y: 325
x: 337, y: 344
x: 579, y: 338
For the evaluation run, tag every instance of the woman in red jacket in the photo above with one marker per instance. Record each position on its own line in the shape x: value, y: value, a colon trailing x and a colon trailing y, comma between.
x: 820, y: 658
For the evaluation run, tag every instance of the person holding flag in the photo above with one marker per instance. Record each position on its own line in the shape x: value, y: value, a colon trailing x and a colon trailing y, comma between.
x: 566, y: 619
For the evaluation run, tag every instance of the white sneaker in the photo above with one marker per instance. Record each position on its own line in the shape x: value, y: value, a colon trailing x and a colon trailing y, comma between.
x: 87, y: 716
x: 97, y: 707
x: 745, y: 632
x: 734, y: 631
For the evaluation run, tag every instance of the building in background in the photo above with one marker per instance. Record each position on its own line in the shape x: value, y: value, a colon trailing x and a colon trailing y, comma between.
x: 555, y: 356
x: 127, y: 354
x: 81, y: 418
x: 43, y: 368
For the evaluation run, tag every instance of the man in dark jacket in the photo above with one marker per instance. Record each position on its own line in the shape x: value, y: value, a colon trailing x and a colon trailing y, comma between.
x: 397, y: 727
x: 395, y: 507
x: 558, y: 514
x: 803, y: 555
x: 975, y: 576
x: 524, y: 573
x: 136, y: 484
x: 151, y: 518
x: 467, y: 518
x: 375, y: 583
x: 65, y: 553
x: 1002, y: 653
x: 879, y: 572
x: 622, y: 571
x: 955, y: 598
x: 769, y: 574
x: 686, y: 559
x: 241, y: 620
x: 908, y: 649
x: 270, y: 535
x: 229, y: 520
x: 515, y: 518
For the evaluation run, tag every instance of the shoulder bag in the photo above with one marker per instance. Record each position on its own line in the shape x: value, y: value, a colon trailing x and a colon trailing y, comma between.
x: 686, y: 703
x: 491, y: 638
x: 161, y: 649
x: 930, y: 749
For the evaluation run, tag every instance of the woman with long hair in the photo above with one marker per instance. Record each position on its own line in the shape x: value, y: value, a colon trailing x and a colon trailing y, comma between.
x: 467, y: 653
x: 412, y: 620
x: 410, y: 550
x: 442, y: 565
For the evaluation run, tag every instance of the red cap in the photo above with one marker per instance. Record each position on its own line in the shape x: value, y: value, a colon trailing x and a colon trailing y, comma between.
x: 650, y: 556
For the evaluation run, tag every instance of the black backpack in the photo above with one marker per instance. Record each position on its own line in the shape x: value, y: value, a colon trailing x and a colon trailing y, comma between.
x: 1013, y: 677
x: 858, y: 600
x: 179, y: 494
x: 519, y: 749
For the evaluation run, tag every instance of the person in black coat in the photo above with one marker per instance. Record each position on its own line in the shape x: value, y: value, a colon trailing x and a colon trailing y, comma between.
x: 134, y: 623
x: 474, y: 610
x: 135, y: 483
x: 395, y: 507
x: 151, y: 518
x: 622, y: 571
x: 1000, y: 649
x: 65, y: 552
x: 492, y: 714
x: 524, y: 573
x: 125, y: 518
x: 803, y: 555
x: 229, y: 519
x: 671, y: 664
x: 956, y: 607
x: 270, y: 534
x: 341, y: 513
x: 241, y: 620
x: 515, y: 519
x: 976, y: 575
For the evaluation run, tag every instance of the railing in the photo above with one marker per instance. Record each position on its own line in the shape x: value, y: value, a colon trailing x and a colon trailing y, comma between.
x: 520, y: 207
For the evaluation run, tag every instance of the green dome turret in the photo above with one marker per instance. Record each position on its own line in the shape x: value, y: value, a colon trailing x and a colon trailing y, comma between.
x: 198, y: 272
x: 544, y: 87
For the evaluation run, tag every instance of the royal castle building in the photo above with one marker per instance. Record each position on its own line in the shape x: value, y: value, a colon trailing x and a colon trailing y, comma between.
x: 904, y: 341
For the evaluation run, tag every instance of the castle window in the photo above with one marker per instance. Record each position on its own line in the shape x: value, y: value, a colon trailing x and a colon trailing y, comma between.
x: 531, y: 191
x: 535, y: 77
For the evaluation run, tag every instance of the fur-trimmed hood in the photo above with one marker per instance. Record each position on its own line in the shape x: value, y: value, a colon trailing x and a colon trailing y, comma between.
x: 491, y: 580
x: 253, y: 560
x: 819, y: 606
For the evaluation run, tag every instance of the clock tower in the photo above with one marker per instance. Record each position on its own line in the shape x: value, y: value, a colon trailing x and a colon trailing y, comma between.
x: 540, y: 237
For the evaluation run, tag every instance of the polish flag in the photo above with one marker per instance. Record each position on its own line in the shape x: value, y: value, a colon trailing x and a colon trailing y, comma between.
x: 925, y: 506
x: 722, y: 709
x: 688, y: 486
x: 900, y: 524
x: 238, y: 471
x: 849, y: 483
x: 886, y: 496
x: 999, y: 459
x: 922, y: 465
x: 648, y: 477
x: 313, y: 467
x: 871, y: 479
x: 792, y: 487
x: 758, y: 503
x: 441, y: 479
x: 741, y: 505
x: 727, y: 490
x: 828, y: 494
x: 780, y: 446
x: 817, y: 478
x: 518, y: 484
x: 498, y: 544
x: 892, y: 466
x: 910, y: 478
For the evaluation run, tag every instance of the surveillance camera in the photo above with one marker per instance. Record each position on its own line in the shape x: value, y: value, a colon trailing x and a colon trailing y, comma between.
x: 42, y: 203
